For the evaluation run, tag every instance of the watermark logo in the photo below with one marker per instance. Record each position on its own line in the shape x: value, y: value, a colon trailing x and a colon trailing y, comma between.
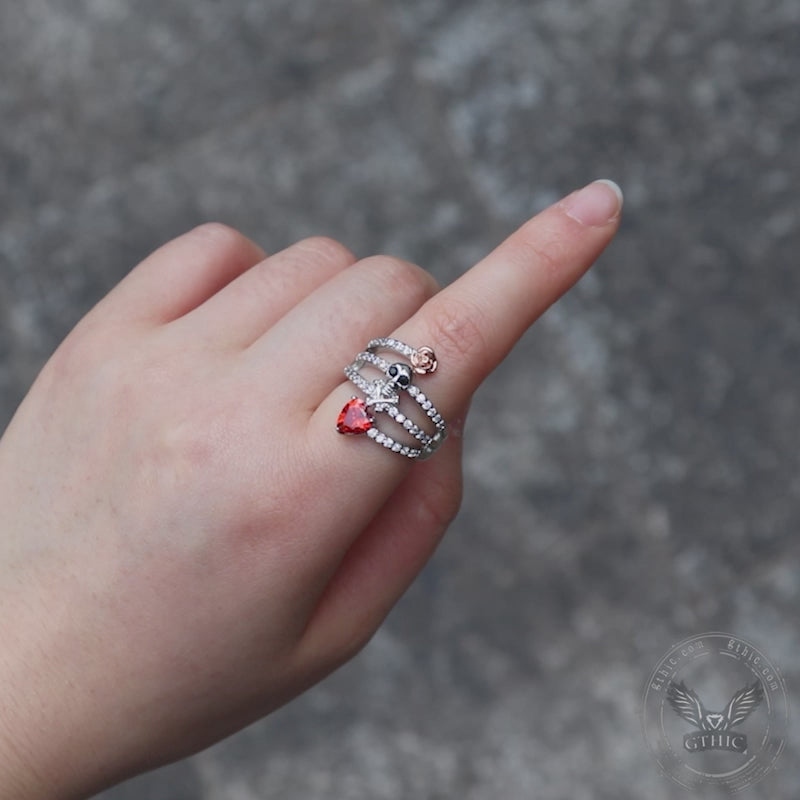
x: 717, y: 728
x: 715, y: 711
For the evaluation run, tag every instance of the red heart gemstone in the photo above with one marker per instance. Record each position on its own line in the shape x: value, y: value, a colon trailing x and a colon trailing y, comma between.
x: 354, y: 418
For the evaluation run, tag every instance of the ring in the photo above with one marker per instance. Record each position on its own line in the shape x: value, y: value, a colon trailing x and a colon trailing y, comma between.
x: 382, y: 395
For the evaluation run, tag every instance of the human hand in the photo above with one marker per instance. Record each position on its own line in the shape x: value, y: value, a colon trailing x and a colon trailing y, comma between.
x: 187, y: 542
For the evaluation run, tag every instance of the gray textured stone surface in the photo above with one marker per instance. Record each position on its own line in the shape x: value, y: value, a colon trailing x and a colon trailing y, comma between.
x: 632, y: 469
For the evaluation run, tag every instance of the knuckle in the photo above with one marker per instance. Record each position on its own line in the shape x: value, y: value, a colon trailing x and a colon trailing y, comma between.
x: 217, y: 231
x: 226, y: 239
x: 397, y: 275
x: 458, y: 329
x: 324, y: 248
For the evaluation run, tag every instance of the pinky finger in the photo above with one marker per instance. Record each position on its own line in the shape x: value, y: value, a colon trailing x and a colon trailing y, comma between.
x: 181, y: 275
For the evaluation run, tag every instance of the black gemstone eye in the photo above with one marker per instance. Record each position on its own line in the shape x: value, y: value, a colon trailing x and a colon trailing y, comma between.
x: 403, y: 380
x: 393, y: 370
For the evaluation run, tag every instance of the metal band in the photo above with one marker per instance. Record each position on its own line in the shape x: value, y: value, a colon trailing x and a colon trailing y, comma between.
x: 423, y: 359
x: 382, y: 395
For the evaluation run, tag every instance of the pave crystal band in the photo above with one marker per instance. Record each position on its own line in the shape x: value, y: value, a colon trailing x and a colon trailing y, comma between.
x: 423, y: 359
x: 382, y: 395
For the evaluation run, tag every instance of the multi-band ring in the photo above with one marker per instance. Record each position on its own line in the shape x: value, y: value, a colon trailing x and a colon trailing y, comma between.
x: 382, y: 395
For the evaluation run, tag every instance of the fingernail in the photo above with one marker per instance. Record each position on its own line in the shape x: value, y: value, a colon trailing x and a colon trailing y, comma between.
x: 595, y: 205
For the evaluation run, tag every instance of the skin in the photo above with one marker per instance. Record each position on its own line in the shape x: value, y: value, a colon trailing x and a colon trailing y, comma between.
x: 187, y: 543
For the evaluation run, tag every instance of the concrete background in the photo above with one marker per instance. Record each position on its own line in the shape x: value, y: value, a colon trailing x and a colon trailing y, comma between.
x: 632, y: 469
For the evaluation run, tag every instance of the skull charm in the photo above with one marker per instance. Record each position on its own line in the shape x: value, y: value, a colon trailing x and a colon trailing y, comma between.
x: 400, y: 375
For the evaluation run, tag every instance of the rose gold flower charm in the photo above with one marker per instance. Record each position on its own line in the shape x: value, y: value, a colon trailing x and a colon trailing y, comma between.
x: 423, y: 359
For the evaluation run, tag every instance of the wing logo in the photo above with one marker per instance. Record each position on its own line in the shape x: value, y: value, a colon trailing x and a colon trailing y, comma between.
x: 716, y: 727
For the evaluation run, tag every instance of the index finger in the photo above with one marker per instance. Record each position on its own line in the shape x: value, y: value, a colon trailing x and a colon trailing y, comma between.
x: 474, y: 322
x: 470, y: 325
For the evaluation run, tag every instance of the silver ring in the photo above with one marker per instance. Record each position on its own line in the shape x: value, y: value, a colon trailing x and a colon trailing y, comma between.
x: 382, y: 395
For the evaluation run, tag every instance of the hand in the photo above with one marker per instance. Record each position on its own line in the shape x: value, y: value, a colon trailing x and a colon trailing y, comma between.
x: 188, y: 543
